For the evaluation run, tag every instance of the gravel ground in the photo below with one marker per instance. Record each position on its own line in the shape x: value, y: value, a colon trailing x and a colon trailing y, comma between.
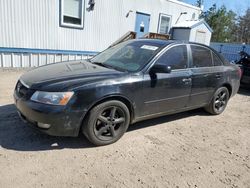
x: 191, y: 149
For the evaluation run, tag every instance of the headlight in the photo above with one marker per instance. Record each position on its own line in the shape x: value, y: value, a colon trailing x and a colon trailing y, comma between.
x: 53, y: 98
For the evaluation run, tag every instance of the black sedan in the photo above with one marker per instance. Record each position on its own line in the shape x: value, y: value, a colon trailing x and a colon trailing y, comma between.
x: 244, y: 64
x: 132, y: 81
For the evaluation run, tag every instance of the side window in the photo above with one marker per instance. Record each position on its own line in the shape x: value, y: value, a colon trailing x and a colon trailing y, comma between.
x: 216, y: 60
x: 202, y: 57
x: 175, y: 57
x: 72, y: 13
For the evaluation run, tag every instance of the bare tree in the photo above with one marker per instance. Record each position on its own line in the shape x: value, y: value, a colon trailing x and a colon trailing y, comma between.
x: 199, y: 3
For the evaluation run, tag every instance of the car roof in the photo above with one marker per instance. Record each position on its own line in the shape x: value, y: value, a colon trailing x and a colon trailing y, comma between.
x: 155, y: 41
x: 167, y: 42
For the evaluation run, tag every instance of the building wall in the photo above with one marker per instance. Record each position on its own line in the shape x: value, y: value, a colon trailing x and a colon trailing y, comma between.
x: 191, y: 34
x: 35, y: 23
x: 181, y: 34
x: 27, y: 27
x: 201, y: 28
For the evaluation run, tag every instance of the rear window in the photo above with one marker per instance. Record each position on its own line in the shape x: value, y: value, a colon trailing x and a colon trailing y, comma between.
x: 202, y: 57
x: 216, y: 60
x: 224, y: 60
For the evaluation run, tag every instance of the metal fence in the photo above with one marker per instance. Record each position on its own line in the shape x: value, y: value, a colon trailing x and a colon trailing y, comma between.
x: 230, y: 51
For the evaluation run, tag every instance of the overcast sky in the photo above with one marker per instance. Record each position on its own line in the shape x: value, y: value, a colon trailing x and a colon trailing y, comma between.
x: 238, y: 6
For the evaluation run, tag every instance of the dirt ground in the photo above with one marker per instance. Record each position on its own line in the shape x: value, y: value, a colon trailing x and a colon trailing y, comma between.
x: 191, y: 149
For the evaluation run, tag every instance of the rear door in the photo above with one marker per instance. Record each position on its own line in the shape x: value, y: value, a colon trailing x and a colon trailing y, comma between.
x: 203, y: 77
x: 219, y: 71
x: 167, y: 92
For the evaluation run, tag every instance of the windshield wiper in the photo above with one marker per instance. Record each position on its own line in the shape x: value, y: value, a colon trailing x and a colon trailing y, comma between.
x: 109, y: 66
x: 101, y: 64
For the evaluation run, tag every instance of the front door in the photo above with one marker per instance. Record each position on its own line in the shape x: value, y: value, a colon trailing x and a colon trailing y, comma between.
x: 141, y: 24
x: 168, y: 92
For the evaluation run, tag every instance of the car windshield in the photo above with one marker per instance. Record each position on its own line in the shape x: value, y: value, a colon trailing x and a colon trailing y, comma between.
x: 130, y: 56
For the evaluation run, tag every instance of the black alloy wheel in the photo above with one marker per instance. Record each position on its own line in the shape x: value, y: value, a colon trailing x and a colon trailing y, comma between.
x: 107, y: 122
x: 219, y: 101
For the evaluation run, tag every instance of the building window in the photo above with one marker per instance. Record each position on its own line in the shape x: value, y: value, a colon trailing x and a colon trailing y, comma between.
x: 72, y: 13
x: 164, y: 24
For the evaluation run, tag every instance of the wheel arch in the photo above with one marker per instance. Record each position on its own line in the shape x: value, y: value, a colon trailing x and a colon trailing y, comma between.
x: 229, y: 87
x: 117, y: 97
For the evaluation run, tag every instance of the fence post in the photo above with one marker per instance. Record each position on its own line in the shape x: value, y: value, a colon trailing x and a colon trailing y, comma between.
x: 54, y: 60
x: 2, y: 60
x: 243, y: 48
x: 30, y: 60
x: 221, y: 46
x: 21, y: 60
x: 47, y: 59
x: 12, y: 60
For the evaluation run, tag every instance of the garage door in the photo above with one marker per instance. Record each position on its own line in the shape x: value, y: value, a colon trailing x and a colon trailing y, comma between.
x: 200, y: 37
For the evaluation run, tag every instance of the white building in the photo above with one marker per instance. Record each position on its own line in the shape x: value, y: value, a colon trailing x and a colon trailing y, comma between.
x: 193, y: 30
x: 37, y: 32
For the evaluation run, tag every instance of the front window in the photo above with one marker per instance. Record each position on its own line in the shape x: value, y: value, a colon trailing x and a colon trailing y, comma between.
x: 175, y: 57
x: 72, y: 13
x: 128, y: 56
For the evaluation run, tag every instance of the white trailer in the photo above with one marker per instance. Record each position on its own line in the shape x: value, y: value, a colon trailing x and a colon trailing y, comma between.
x: 38, y: 32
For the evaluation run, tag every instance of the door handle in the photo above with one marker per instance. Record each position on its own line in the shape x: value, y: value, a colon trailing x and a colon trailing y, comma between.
x: 186, y: 80
x: 218, y: 76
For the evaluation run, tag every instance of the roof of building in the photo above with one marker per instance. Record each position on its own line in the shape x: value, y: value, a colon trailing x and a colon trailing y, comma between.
x: 190, y: 24
x: 185, y: 4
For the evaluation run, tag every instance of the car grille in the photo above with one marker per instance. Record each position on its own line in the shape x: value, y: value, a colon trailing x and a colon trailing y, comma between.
x: 21, y: 90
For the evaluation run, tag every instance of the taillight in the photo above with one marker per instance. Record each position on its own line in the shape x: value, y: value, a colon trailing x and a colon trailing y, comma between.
x: 240, y: 72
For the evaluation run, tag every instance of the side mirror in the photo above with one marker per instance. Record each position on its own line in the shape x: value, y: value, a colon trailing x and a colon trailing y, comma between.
x: 160, y: 68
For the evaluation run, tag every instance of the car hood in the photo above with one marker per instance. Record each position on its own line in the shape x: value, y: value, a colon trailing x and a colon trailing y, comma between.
x: 66, y: 75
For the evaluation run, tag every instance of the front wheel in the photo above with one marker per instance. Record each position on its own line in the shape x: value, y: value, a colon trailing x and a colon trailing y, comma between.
x: 219, y: 101
x: 106, y: 123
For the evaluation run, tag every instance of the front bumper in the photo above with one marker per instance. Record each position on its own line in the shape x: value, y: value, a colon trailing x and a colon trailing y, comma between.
x: 63, y: 121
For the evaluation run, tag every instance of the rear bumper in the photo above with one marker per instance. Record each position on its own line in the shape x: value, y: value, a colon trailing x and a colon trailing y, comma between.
x: 63, y: 122
x: 245, y: 79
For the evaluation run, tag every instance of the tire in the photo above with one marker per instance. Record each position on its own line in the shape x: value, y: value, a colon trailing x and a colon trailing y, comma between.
x: 106, y: 123
x: 219, y: 101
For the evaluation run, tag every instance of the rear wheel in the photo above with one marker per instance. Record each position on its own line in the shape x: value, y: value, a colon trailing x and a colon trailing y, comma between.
x: 219, y: 101
x: 106, y: 122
